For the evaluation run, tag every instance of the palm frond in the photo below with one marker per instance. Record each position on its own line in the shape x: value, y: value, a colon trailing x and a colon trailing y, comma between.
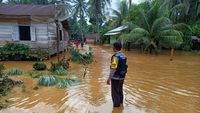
x: 159, y: 24
x: 178, y: 6
x: 140, y: 31
x: 181, y: 26
x: 171, y: 38
x: 145, y: 21
x: 163, y: 10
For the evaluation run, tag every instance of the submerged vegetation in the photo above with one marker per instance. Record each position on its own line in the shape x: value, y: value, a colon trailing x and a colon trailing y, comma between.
x: 15, y: 71
x: 52, y: 80
x: 78, y: 57
x: 47, y: 80
x: 39, y: 66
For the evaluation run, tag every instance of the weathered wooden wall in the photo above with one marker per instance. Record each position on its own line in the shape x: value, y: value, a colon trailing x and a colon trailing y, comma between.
x: 43, y: 35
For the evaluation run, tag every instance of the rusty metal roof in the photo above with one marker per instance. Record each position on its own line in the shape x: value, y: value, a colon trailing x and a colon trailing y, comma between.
x: 30, y: 10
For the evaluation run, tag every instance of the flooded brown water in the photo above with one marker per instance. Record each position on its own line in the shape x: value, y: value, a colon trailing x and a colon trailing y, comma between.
x: 153, y: 85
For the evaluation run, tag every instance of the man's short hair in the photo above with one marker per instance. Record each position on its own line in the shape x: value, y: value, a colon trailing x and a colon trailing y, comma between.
x: 117, y: 46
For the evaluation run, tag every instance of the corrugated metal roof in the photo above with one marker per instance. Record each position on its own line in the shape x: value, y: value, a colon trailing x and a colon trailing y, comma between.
x: 116, y: 30
x: 112, y: 33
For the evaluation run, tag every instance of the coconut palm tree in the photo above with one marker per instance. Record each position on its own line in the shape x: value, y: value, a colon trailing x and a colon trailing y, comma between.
x: 121, y: 15
x: 185, y: 10
x: 156, y: 30
x: 80, y: 7
x: 96, y: 10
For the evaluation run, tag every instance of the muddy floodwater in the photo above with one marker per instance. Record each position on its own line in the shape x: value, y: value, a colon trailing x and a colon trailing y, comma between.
x: 153, y: 85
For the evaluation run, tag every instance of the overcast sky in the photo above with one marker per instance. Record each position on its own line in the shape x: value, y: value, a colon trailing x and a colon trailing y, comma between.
x: 115, y: 3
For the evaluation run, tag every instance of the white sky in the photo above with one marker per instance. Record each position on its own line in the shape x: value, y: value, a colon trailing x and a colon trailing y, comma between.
x: 115, y: 3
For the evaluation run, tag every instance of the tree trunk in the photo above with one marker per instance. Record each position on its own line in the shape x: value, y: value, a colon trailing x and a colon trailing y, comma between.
x: 171, y: 54
x: 97, y: 15
x: 129, y: 16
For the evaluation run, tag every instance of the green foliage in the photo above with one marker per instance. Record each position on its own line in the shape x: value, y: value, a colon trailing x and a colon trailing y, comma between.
x: 2, y: 67
x: 156, y: 30
x: 135, y: 11
x: 16, y: 47
x: 63, y: 72
x: 15, y: 71
x: 51, y: 80
x: 196, y: 30
x: 62, y: 83
x: 121, y: 15
x: 103, y: 30
x: 5, y: 85
x: 62, y: 65
x: 48, y: 80
x: 39, y: 66
x: 35, y: 75
x: 15, y: 51
x: 86, y: 58
x: 5, y: 104
x: 187, y: 41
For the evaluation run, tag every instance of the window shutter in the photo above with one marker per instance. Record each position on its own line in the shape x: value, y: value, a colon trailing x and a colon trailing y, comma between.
x: 15, y: 33
x: 33, y: 33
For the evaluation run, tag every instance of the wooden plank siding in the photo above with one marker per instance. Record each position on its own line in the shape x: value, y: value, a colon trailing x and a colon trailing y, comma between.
x: 43, y: 35
x: 6, y: 32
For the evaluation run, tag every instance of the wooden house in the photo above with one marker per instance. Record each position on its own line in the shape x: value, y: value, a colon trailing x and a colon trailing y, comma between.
x: 39, y: 26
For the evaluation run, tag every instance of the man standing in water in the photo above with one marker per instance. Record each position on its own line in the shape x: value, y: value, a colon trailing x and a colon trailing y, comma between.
x: 118, y: 71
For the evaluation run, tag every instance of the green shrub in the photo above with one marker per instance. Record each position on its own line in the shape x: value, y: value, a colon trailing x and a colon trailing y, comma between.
x: 35, y: 75
x: 64, y: 72
x: 86, y: 58
x: 196, y: 30
x: 62, y: 83
x: 60, y: 72
x: 59, y: 66
x: 15, y: 51
x: 39, y: 66
x: 2, y: 67
x: 15, y: 71
x: 47, y: 80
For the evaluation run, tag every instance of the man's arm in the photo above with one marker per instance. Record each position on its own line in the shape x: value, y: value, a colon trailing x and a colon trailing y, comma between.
x: 113, y: 67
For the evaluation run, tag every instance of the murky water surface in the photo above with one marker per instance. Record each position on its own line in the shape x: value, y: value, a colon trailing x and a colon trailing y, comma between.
x: 153, y: 85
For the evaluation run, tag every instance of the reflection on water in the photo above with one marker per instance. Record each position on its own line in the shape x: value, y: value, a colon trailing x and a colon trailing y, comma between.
x: 153, y: 85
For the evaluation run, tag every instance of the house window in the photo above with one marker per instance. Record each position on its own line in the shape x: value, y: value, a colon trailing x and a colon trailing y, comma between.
x: 24, y: 33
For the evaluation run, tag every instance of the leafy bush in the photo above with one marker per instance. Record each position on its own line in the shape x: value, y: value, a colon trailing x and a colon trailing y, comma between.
x: 39, y: 66
x: 196, y: 30
x: 60, y: 72
x: 15, y: 71
x: 62, y: 65
x: 5, y: 85
x: 2, y: 67
x: 86, y: 58
x: 15, y: 51
x: 48, y: 80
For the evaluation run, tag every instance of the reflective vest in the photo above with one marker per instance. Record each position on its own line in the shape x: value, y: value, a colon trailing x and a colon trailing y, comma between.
x: 121, y: 70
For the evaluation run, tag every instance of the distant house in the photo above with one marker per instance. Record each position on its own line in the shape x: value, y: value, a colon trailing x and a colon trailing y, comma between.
x: 114, y: 33
x: 34, y: 25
